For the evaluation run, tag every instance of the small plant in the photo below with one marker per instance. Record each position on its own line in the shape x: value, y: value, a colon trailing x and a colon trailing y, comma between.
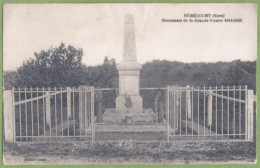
x: 128, y: 119
x: 128, y: 102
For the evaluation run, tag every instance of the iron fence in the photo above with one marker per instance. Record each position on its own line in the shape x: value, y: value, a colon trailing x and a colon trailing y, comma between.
x: 220, y: 112
x: 53, y: 113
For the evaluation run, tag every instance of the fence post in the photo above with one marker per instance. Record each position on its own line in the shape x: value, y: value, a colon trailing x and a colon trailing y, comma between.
x: 80, y: 108
x: 210, y: 108
x: 250, y: 113
x: 9, y: 128
x: 68, y: 102
x: 167, y: 114
x: 48, y: 108
x: 188, y: 101
x: 83, y: 106
x: 92, y: 113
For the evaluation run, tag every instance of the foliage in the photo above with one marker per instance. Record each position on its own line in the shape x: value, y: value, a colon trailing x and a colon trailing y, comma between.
x: 128, y: 101
x: 161, y: 73
x: 241, y: 73
x: 128, y: 119
x: 62, y: 66
x: 10, y: 80
x: 103, y: 76
x: 59, y: 66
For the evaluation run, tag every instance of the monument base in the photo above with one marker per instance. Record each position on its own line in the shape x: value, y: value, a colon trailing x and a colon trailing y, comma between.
x: 113, y: 116
x: 137, y: 104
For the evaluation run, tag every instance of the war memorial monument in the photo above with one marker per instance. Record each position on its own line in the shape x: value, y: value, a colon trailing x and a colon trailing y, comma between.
x: 129, y: 83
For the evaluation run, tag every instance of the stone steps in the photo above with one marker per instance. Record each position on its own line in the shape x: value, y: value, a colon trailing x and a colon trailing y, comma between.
x: 113, y: 116
x: 130, y: 128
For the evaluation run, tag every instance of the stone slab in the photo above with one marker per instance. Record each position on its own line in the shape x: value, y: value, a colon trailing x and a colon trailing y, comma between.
x: 143, y: 116
x: 128, y: 82
x: 130, y: 128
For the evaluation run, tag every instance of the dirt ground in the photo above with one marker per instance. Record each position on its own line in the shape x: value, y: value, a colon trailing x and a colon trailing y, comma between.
x: 129, y: 152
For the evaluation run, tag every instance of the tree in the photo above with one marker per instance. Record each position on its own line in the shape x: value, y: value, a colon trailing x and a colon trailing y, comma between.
x: 108, y: 73
x: 241, y: 73
x: 10, y: 79
x: 104, y: 75
x: 58, y: 67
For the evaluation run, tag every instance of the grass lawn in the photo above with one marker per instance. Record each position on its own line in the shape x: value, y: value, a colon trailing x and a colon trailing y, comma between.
x: 132, y: 152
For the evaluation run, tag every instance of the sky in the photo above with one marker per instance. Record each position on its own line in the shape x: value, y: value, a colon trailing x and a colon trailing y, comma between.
x: 98, y: 30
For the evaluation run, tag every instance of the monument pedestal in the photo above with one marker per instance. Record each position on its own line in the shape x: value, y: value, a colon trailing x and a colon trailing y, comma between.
x: 129, y: 72
x: 137, y: 104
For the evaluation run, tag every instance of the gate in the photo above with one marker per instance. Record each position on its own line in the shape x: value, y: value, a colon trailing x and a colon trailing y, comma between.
x: 52, y: 113
x: 209, y: 113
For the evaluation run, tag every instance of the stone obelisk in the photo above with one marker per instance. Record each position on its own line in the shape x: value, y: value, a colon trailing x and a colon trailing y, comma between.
x: 129, y: 71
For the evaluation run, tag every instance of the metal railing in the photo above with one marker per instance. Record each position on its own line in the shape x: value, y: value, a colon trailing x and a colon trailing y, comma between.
x: 53, y: 113
x: 46, y: 114
x: 221, y: 112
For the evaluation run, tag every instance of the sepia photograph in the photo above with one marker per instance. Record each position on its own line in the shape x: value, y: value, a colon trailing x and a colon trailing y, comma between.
x: 129, y: 84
